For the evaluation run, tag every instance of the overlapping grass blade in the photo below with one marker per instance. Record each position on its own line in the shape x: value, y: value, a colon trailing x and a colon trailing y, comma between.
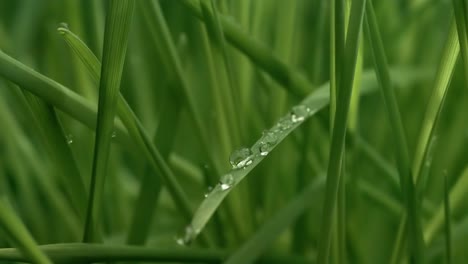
x: 433, y: 110
x: 414, y: 230
x: 118, y: 22
x: 345, y: 84
x: 259, y: 54
x: 266, y: 234
x: 137, y: 132
x: 19, y: 235
x: 447, y: 217
x: 90, y: 253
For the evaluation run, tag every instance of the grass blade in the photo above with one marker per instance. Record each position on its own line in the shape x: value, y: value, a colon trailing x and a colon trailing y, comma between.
x: 115, y: 45
x: 266, y: 234
x: 259, y: 54
x: 448, y: 237
x: 339, y: 127
x: 460, y: 20
x: 406, y: 180
x: 90, y: 253
x: 436, y: 101
x: 19, y: 235
x: 137, y: 132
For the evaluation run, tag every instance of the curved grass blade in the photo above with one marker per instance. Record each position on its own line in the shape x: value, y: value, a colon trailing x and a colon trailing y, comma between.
x: 460, y: 20
x: 91, y: 253
x: 117, y: 27
x: 345, y: 84
x: 19, y: 235
x: 294, y: 82
x: 135, y: 129
x: 414, y: 230
x: 265, y: 235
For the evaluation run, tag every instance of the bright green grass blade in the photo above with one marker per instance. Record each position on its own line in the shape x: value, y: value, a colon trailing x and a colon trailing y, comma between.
x: 448, y: 236
x: 460, y: 20
x: 259, y: 54
x: 19, y: 235
x: 406, y: 180
x: 117, y: 27
x: 91, y: 253
x: 436, y: 101
x: 266, y: 234
x: 137, y: 132
x: 339, y: 128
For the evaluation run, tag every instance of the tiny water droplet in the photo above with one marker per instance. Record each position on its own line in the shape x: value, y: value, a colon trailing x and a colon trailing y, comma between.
x: 114, y: 134
x: 285, y: 124
x: 187, y: 237
x: 69, y: 138
x: 299, y: 113
x: 226, y: 181
x: 208, y: 191
x: 239, y: 158
x: 63, y: 25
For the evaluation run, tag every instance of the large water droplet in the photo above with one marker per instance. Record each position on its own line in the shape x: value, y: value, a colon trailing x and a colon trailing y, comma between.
x: 241, y: 158
x: 69, y: 139
x: 299, y: 113
x: 285, y: 124
x: 267, y: 142
x: 226, y: 181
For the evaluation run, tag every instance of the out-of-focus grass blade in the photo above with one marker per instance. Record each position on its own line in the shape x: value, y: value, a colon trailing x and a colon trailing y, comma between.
x: 275, y: 225
x: 345, y: 86
x: 457, y: 197
x: 296, y: 83
x: 436, y: 101
x: 460, y: 20
x: 118, y: 22
x: 137, y: 132
x: 448, y: 236
x: 406, y: 181
x: 91, y: 253
x: 19, y: 235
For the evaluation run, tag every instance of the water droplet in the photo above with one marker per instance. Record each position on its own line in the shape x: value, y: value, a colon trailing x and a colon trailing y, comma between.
x: 208, y: 191
x: 114, y: 134
x: 285, y: 124
x: 299, y: 113
x: 69, y: 138
x: 187, y: 237
x: 226, y: 181
x: 267, y: 142
x: 239, y: 158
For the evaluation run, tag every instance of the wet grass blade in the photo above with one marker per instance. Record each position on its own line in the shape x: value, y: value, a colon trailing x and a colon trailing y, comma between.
x: 460, y: 20
x: 266, y: 234
x: 406, y: 180
x: 19, y: 235
x: 339, y: 128
x: 118, y: 22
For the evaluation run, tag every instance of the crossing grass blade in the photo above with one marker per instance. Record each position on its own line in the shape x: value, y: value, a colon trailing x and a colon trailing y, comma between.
x: 137, y: 132
x: 339, y: 128
x: 19, y: 235
x: 265, y: 235
x: 290, y: 79
x: 117, y: 26
x: 431, y: 118
x: 414, y: 230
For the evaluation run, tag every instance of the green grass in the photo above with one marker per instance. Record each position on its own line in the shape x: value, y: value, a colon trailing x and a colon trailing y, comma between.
x: 222, y: 131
